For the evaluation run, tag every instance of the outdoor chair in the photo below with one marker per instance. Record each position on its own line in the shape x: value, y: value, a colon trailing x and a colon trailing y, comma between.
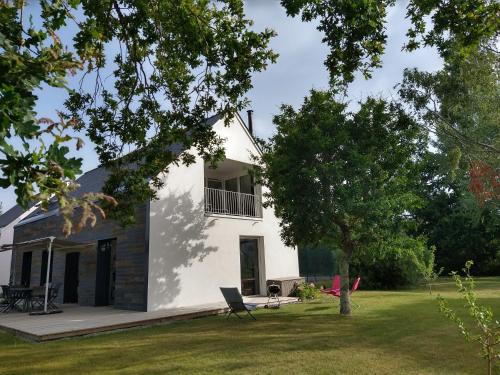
x: 355, y: 285
x: 335, y: 286
x: 4, y: 302
x: 354, y: 288
x: 335, y: 289
x: 5, y: 291
x: 235, y: 302
x: 53, y: 292
x: 38, y: 297
x: 10, y: 300
x: 17, y: 299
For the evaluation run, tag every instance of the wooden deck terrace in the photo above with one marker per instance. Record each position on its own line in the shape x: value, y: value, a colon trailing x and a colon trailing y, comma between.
x: 78, y: 320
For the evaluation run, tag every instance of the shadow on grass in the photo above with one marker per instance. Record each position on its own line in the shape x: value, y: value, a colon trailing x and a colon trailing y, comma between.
x: 318, y: 308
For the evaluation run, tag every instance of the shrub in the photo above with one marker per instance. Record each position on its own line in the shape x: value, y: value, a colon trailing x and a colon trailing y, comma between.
x: 305, y: 291
x: 397, y: 263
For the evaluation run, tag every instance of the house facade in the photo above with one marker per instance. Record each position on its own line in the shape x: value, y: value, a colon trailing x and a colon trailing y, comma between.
x: 7, y: 222
x: 207, y: 229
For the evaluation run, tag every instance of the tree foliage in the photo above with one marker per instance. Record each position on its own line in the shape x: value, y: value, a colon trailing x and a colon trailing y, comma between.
x: 176, y: 63
x: 356, y: 32
x: 454, y: 223
x: 459, y: 104
x: 339, y: 177
x: 29, y: 58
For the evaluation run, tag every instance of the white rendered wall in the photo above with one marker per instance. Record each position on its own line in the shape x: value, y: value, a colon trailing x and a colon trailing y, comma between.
x: 6, y: 237
x: 191, y: 255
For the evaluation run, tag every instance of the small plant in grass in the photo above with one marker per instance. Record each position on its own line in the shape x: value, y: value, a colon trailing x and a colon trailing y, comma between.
x: 305, y: 291
x: 487, y: 328
x: 430, y: 276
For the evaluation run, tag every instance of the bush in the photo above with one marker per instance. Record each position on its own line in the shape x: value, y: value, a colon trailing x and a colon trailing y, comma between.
x: 305, y: 291
x: 393, y: 264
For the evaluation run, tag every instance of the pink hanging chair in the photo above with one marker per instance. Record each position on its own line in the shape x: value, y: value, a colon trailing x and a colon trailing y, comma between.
x: 335, y: 289
x: 335, y: 286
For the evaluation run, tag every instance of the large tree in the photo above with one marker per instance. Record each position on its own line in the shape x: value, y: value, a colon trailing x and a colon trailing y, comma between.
x: 460, y: 181
x: 173, y: 64
x: 356, y: 31
x: 341, y: 177
x: 459, y: 105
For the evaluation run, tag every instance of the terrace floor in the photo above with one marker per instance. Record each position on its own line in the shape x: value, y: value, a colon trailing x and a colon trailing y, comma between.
x: 78, y: 320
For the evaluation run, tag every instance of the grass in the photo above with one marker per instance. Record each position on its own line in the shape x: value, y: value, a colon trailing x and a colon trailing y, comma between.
x: 390, y: 333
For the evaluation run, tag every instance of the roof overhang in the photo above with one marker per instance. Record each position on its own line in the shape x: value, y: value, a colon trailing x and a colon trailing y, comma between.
x: 42, y: 243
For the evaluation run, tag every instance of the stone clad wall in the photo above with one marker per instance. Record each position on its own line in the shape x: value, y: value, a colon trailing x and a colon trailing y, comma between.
x: 131, y: 258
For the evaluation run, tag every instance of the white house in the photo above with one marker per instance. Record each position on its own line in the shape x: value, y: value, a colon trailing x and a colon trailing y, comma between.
x: 217, y: 215
x: 207, y: 230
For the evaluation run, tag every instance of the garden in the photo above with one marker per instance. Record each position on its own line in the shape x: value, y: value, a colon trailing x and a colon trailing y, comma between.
x: 399, y: 186
x: 391, y: 332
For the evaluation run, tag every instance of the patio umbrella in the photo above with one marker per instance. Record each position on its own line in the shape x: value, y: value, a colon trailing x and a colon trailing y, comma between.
x: 51, y: 243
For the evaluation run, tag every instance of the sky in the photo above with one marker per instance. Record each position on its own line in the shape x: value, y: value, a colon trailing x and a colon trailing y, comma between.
x: 299, y: 69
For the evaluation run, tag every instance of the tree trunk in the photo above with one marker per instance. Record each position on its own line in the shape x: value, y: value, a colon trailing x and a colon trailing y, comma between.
x: 348, y: 247
x: 345, y: 302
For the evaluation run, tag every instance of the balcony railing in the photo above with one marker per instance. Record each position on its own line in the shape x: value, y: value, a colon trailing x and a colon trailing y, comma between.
x: 226, y: 202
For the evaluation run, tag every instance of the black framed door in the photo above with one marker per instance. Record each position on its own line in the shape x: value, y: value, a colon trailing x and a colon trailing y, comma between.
x: 26, y: 269
x: 71, y: 278
x: 249, y: 262
x: 105, y: 273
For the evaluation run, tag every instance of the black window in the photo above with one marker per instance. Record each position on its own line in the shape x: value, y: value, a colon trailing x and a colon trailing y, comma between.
x: 232, y: 184
x: 26, y: 269
x: 214, y: 184
x: 246, y: 185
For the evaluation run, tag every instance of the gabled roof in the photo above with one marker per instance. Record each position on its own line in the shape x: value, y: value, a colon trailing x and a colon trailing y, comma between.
x: 10, y: 215
x: 212, y: 120
x: 91, y: 181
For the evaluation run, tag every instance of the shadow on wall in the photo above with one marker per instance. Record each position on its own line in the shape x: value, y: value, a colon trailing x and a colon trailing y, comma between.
x: 180, y: 231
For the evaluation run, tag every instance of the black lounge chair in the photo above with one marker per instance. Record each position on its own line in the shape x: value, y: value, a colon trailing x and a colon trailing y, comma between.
x: 235, y: 302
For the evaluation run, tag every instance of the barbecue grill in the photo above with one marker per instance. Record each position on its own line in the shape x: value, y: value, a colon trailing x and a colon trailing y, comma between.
x: 273, y: 291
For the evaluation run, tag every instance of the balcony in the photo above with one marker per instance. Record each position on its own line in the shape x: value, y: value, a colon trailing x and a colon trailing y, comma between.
x: 232, y: 203
x: 230, y: 190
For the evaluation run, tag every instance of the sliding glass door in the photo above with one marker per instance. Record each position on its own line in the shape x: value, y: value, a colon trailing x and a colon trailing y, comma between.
x: 249, y: 261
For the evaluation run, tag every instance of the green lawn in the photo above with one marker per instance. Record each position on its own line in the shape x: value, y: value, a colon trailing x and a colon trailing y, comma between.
x: 391, y: 333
